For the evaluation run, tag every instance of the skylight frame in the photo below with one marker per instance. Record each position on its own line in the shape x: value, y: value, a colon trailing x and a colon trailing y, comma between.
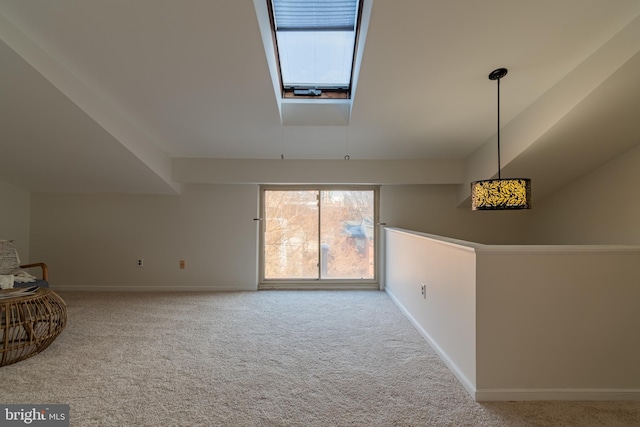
x: 328, y: 91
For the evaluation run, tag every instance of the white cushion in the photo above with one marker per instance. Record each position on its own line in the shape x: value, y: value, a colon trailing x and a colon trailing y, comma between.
x: 6, y: 281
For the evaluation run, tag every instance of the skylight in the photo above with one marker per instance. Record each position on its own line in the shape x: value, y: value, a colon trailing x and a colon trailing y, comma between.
x: 316, y: 44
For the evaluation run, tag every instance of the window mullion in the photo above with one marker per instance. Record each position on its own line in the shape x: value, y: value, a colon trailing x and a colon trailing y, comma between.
x: 319, y: 234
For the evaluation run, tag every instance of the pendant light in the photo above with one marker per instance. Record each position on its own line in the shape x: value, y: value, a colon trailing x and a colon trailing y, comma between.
x: 500, y: 194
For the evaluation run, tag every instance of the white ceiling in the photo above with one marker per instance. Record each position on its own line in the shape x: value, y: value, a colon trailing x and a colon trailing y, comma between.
x: 89, y: 84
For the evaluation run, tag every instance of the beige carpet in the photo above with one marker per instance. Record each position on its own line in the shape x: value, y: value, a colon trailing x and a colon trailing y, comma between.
x: 276, y: 358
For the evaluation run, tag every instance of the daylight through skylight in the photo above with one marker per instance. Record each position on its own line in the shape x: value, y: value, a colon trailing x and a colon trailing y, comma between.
x: 315, y: 41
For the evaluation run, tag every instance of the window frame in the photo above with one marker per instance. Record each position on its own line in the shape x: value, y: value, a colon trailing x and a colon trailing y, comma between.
x: 320, y: 283
x: 327, y: 92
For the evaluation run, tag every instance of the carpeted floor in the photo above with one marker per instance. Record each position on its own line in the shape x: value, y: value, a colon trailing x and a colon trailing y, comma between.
x: 279, y: 358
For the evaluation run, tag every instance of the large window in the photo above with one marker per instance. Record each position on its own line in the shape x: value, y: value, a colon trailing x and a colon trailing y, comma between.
x: 312, y: 234
x: 315, y: 41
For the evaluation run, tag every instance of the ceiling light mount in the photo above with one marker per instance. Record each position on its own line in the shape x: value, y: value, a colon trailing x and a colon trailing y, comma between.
x: 500, y: 194
x: 498, y: 74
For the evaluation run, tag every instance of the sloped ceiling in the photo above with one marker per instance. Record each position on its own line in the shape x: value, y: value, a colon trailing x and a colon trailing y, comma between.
x: 101, y: 95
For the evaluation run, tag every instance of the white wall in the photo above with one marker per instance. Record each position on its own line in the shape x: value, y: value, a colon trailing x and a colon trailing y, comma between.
x: 558, y: 322
x: 603, y: 207
x: 432, y: 209
x: 270, y: 171
x: 15, y: 208
x: 93, y: 241
x: 447, y: 316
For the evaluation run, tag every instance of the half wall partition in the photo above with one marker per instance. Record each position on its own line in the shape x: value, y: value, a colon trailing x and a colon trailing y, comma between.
x: 523, y: 322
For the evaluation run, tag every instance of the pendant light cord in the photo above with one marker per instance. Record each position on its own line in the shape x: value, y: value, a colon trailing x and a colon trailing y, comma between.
x: 497, y: 75
x: 499, y: 128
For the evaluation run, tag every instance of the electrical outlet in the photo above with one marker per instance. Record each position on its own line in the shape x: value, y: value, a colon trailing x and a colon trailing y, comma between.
x: 139, y: 263
x: 423, y: 289
x: 182, y: 264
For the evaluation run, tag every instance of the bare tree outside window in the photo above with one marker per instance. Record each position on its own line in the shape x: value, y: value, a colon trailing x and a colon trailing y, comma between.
x: 291, y: 234
x: 319, y: 234
x: 347, y: 233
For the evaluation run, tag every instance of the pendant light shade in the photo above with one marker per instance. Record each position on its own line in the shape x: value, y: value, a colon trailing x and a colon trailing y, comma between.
x: 500, y: 194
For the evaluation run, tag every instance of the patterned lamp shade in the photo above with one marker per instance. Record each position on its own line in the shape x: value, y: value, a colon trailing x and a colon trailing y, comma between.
x: 501, y: 194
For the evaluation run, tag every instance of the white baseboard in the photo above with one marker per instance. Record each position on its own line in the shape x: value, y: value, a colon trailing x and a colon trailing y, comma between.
x: 557, y: 394
x: 156, y: 288
x: 466, y: 383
